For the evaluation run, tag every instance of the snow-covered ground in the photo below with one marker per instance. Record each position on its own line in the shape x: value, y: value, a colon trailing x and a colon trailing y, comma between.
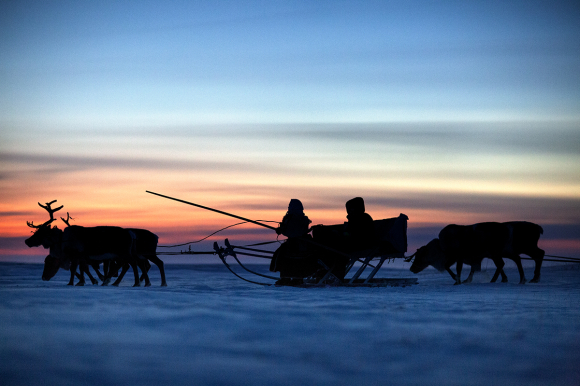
x: 210, y: 328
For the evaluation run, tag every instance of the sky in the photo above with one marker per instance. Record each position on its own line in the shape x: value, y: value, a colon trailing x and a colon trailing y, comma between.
x: 447, y: 111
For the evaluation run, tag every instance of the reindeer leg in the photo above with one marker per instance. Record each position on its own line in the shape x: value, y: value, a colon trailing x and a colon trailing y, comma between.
x: 499, y: 268
x: 96, y: 269
x: 458, y: 268
x: 504, y: 278
x: 470, y: 277
x: 73, y: 270
x: 82, y: 278
x: 121, y: 275
x: 93, y: 280
x: 157, y: 261
x: 538, y: 260
x: 133, y: 264
x: 453, y: 275
x: 109, y: 265
x: 144, y: 265
x: 135, y: 272
x: 82, y: 269
x: 106, y: 265
x: 518, y: 261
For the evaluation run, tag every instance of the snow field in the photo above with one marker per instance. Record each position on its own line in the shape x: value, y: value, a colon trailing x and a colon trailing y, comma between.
x: 210, y: 328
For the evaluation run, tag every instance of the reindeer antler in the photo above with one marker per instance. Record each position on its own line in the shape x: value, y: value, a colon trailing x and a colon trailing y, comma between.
x: 68, y: 217
x: 50, y: 212
x: 31, y: 224
x: 49, y: 209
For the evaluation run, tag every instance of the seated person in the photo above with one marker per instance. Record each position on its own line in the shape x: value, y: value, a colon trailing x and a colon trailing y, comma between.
x: 291, y: 259
x: 359, y: 228
x: 295, y: 223
x: 358, y: 235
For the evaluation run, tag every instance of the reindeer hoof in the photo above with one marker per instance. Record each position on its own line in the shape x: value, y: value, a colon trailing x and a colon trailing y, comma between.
x: 137, y: 285
x: 80, y: 284
x: 535, y: 280
x: 147, y: 284
x: 522, y: 282
x: 115, y: 284
x: 457, y: 283
x: 163, y: 284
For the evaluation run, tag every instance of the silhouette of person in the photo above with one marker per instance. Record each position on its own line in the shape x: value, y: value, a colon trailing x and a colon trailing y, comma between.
x: 291, y: 258
x: 359, y: 229
x: 295, y: 223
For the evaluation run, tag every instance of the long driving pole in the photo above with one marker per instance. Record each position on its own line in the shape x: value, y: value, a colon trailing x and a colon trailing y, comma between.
x: 213, y: 210
x: 252, y: 221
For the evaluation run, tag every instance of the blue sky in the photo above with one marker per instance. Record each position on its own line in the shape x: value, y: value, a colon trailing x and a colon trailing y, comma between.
x: 201, y: 62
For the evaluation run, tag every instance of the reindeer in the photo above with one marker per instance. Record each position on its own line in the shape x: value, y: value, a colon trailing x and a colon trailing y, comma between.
x: 55, y: 260
x: 81, y: 244
x: 470, y: 244
x: 146, y: 249
x: 95, y: 264
x: 51, y: 238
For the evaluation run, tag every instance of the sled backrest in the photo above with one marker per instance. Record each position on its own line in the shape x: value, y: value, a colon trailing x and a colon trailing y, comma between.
x: 389, y: 234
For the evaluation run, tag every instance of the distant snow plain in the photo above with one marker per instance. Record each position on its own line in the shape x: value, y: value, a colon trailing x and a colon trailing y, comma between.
x: 210, y: 328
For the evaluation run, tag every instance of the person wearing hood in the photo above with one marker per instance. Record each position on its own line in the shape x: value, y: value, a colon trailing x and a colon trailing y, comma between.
x: 291, y: 259
x: 295, y: 223
x: 359, y: 228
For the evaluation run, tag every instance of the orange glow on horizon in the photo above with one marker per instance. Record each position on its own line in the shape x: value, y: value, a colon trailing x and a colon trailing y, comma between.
x: 434, y: 175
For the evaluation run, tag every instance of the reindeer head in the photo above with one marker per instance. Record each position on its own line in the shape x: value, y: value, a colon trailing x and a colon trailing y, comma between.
x: 43, y: 234
x: 430, y: 254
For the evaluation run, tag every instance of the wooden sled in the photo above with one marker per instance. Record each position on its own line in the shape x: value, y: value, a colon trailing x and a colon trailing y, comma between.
x: 388, y: 242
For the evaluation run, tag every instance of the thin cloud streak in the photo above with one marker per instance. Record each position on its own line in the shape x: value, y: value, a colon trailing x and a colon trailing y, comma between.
x: 540, y: 137
x: 62, y: 163
x: 55, y: 164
